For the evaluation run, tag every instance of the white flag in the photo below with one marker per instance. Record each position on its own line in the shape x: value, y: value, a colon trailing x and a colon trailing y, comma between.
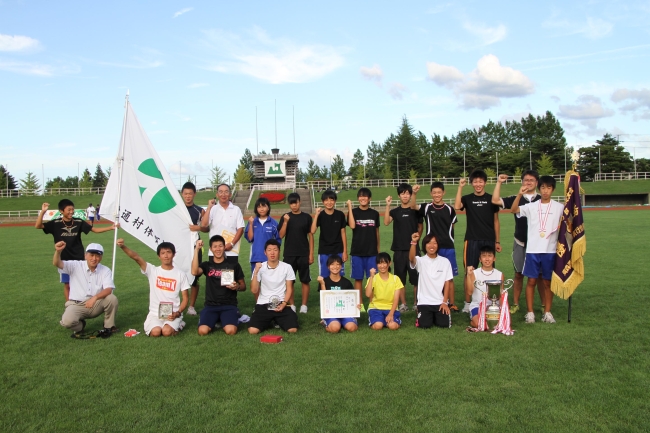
x: 150, y: 208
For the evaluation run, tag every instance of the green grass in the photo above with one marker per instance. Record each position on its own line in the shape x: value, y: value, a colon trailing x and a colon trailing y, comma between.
x: 590, y: 375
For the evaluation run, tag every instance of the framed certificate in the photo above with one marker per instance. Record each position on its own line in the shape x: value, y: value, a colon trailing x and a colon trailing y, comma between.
x: 165, y: 309
x: 227, y: 277
x: 337, y: 304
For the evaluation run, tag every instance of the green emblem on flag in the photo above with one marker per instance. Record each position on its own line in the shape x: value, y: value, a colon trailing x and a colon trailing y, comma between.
x: 162, y: 201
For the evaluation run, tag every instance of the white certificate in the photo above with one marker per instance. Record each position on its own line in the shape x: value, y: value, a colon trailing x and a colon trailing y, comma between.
x: 338, y: 304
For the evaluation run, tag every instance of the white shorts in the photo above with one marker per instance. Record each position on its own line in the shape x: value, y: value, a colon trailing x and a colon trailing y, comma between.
x: 154, y: 322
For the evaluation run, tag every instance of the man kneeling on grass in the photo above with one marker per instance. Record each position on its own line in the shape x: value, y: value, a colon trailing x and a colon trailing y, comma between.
x: 220, y: 300
x: 166, y: 283
x: 273, y: 280
x: 91, y: 289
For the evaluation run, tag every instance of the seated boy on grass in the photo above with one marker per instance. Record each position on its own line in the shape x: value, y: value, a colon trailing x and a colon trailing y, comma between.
x: 384, y: 291
x: 486, y: 272
x: 336, y: 282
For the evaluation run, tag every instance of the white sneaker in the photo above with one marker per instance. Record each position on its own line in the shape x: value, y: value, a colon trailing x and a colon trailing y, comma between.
x: 181, y: 325
x: 244, y: 319
x: 466, y: 308
x: 293, y: 307
x: 191, y: 311
x: 303, y: 309
x: 530, y: 317
x: 403, y: 308
x: 548, y: 318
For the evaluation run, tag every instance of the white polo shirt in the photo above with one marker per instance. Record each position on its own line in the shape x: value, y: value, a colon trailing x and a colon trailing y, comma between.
x: 84, y: 283
x: 431, y: 280
x: 226, y: 222
x: 273, y: 282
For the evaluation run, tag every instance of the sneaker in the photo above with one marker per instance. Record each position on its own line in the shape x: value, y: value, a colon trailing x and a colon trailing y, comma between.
x: 303, y: 309
x: 293, y: 307
x: 191, y: 311
x: 181, y: 325
x: 548, y: 318
x: 403, y: 308
x: 453, y: 307
x: 466, y: 308
x: 78, y: 333
x: 530, y: 317
x: 514, y: 309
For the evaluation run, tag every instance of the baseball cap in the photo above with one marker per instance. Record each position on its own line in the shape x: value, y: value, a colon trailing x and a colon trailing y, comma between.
x: 95, y: 249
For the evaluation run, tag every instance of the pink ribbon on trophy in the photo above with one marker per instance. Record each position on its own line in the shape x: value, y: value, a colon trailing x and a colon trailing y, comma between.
x: 504, y: 318
x: 482, y: 318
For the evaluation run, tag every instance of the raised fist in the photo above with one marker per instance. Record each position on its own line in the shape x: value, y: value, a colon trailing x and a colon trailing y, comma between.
x: 462, y: 182
x: 199, y: 244
x: 373, y: 271
x: 258, y: 265
x: 120, y: 242
x: 416, y: 189
x: 251, y: 219
x: 320, y: 279
x: 45, y: 207
x: 415, y: 237
x: 59, y: 246
x: 286, y: 217
x: 503, y: 178
x: 389, y: 200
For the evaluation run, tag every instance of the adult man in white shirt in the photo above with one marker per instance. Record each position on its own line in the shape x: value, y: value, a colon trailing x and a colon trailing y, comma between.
x: 225, y: 219
x: 91, y: 289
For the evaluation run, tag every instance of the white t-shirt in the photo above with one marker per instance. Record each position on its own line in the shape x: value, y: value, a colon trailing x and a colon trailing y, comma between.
x: 226, y: 222
x: 537, y: 244
x: 273, y: 282
x: 165, y: 286
x: 481, y: 275
x: 90, y: 212
x: 431, y: 281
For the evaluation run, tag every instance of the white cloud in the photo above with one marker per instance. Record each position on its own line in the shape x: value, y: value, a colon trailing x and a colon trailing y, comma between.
x: 484, y: 86
x: 148, y: 58
x: 486, y: 35
x: 588, y: 108
x: 396, y: 91
x: 591, y: 28
x: 636, y: 102
x: 38, y: 69
x: 197, y: 85
x: 373, y: 73
x: 181, y: 12
x: 275, y: 61
x: 17, y: 43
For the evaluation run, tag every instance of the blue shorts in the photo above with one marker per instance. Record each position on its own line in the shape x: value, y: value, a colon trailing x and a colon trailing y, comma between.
x: 91, y: 219
x: 362, y: 265
x: 375, y: 316
x: 226, y: 314
x: 343, y: 321
x: 473, y: 312
x: 323, y: 270
x: 65, y: 278
x: 450, y: 254
x: 536, y: 263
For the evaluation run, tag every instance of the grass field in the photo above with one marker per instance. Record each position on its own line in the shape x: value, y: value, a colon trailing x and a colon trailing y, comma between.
x: 589, y: 375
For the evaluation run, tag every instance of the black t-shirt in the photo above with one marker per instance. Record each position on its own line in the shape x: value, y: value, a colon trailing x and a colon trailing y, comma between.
x: 296, y: 240
x: 330, y: 240
x: 70, y: 233
x: 215, y: 293
x: 195, y: 213
x: 364, y: 235
x: 405, y: 223
x: 343, y: 284
x: 480, y: 217
x: 521, y: 224
x: 440, y: 222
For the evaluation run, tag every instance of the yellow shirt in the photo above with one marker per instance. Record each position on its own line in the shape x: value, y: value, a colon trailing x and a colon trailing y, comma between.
x: 383, y: 292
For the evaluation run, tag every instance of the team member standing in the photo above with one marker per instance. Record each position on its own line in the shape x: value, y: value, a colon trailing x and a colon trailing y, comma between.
x: 364, y: 223
x: 261, y: 228
x: 90, y: 213
x: 482, y: 222
x: 295, y: 229
x: 188, y: 192
x: 332, y: 238
x: 226, y: 220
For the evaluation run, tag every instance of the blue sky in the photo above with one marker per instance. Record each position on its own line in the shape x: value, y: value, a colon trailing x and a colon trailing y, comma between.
x: 196, y: 72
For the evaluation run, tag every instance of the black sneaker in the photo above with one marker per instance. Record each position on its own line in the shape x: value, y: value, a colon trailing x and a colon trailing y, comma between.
x: 78, y: 333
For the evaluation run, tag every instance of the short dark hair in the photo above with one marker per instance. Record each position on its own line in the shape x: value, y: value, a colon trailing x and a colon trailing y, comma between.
x: 334, y: 258
x: 189, y: 185
x: 383, y: 258
x: 294, y: 197
x: 547, y: 181
x: 488, y: 249
x: 271, y: 242
x: 328, y: 194
x: 437, y: 185
x: 478, y: 174
x: 223, y: 184
x: 217, y: 238
x: 166, y: 246
x: 261, y: 202
x: 404, y: 187
x: 90, y: 204
x: 427, y: 239
x: 530, y: 173
x: 65, y: 203
x: 364, y: 192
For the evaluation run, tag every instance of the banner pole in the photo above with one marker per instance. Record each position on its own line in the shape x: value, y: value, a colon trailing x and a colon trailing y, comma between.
x: 120, y: 162
x: 570, y: 299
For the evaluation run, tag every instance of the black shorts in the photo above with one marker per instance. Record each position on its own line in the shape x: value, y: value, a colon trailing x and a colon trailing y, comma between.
x: 429, y: 315
x: 300, y: 265
x: 262, y: 317
x: 401, y: 266
x: 472, y: 252
x: 196, y: 279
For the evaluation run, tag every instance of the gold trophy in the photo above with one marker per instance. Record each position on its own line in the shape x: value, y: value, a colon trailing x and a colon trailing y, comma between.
x: 493, y: 311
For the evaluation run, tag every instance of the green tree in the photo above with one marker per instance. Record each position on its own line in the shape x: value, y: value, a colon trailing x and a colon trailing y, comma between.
x: 545, y: 166
x: 313, y: 171
x: 242, y: 175
x: 405, y: 152
x: 356, y: 163
x: 643, y: 165
x: 247, y: 161
x: 613, y: 158
x: 7, y: 181
x: 413, y: 175
x: 490, y: 172
x: 217, y: 176
x: 86, y: 179
x: 518, y: 172
x: 325, y: 173
x: 29, y: 184
x: 99, y: 180
x: 338, y: 168
x: 375, y: 161
x: 386, y: 172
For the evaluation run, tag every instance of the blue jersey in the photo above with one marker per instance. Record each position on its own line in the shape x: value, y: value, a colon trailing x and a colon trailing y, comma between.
x: 261, y: 234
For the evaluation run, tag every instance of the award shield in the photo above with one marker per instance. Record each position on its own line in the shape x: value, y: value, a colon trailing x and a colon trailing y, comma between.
x: 227, y: 277
x: 164, y: 310
x: 274, y: 302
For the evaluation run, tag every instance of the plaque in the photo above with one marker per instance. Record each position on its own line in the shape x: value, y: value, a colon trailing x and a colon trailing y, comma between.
x: 338, y: 304
x: 227, y: 277
x: 165, y: 309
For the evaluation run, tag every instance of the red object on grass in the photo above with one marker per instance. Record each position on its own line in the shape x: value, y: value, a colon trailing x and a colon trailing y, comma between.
x: 271, y: 339
x: 273, y: 197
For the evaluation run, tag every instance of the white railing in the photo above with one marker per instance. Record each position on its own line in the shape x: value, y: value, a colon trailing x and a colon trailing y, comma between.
x: 19, y: 213
x: 621, y: 176
x: 50, y: 191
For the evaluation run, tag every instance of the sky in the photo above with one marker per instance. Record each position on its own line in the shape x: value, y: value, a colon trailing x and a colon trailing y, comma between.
x: 209, y: 79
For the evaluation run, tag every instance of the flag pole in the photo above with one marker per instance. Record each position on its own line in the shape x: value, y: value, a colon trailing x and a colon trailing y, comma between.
x: 120, y: 162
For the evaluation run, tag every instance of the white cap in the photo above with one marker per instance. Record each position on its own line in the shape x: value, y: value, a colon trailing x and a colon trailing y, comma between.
x: 95, y: 248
